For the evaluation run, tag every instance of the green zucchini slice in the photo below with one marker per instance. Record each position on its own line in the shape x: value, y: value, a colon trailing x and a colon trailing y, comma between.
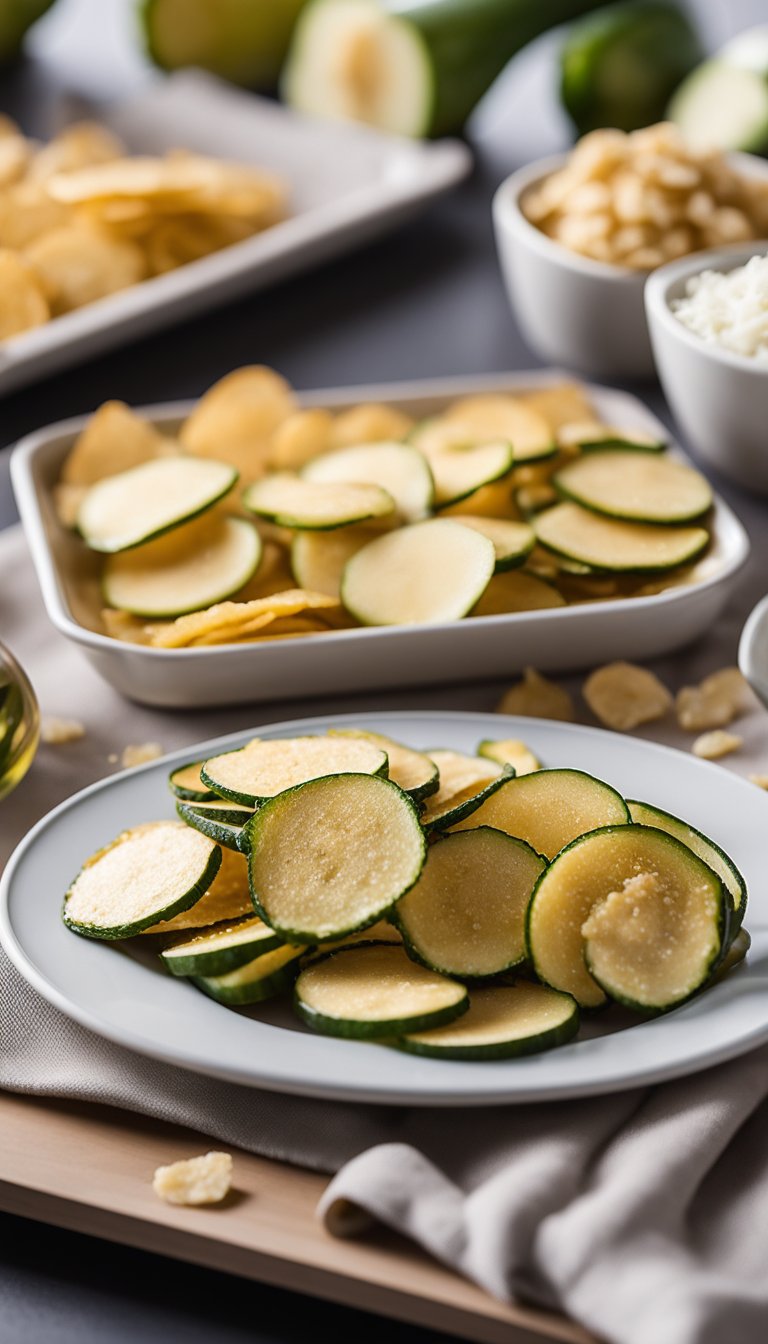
x: 489, y: 416
x: 149, y: 873
x: 375, y: 990
x: 592, y: 436
x: 512, y: 542
x: 333, y: 855
x: 187, y: 570
x: 425, y: 573
x: 620, y: 547
x: 640, y: 487
x: 266, y: 976
x: 645, y: 814
x: 318, y: 559
x: 517, y: 591
x: 398, y: 468
x: 265, y: 768
x: 292, y: 501
x: 131, y: 508
x: 629, y: 912
x: 460, y: 473
x: 466, y: 914
x: 510, y: 751
x: 221, y: 821
x: 221, y: 949
x: 413, y: 771
x: 186, y: 783
x: 550, y: 808
x: 735, y: 955
x: 503, y: 1021
x: 464, y: 782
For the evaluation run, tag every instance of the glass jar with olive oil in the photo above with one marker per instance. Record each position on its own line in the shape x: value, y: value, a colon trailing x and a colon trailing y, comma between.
x: 19, y: 723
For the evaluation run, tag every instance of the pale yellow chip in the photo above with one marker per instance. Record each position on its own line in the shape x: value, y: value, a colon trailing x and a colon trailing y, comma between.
x: 623, y: 695
x: 80, y: 145
x: 711, y: 746
x: 272, y: 576
x: 66, y: 502
x: 195, y: 1180
x: 26, y: 213
x: 304, y: 435
x: 560, y: 404
x: 130, y: 629
x: 23, y: 304
x: 228, y: 616
x: 115, y: 439
x: 370, y: 422
x: 720, y: 698
x: 78, y: 266
x: 236, y: 419
x: 15, y: 156
x: 228, y: 897
x: 538, y: 698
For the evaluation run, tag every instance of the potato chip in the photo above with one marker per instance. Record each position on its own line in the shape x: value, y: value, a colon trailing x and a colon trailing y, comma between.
x: 236, y: 419
x: 130, y: 629
x: 180, y: 239
x: 230, y: 615
x: 26, y: 213
x: 135, y: 177
x: 559, y: 404
x: 272, y: 576
x: 369, y: 422
x: 78, y: 146
x: 67, y: 500
x: 304, y: 435
x: 77, y: 266
x: 711, y: 746
x: 15, y: 154
x: 720, y: 698
x: 492, y: 501
x: 23, y: 304
x: 623, y: 695
x: 538, y: 698
x: 115, y: 439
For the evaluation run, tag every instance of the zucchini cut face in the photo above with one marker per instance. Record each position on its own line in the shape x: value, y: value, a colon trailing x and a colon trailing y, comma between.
x: 220, y: 949
x: 133, y: 507
x: 512, y: 541
x: 265, y: 768
x: 466, y: 914
x: 398, y: 468
x: 638, y: 486
x: 413, y: 771
x: 620, y: 547
x: 426, y: 573
x: 503, y: 1021
x: 186, y: 783
x: 630, y: 912
x: 188, y: 569
x: 292, y: 501
x: 263, y: 978
x: 510, y: 751
x: 464, y: 782
x: 496, y: 416
x: 711, y: 854
x: 550, y: 808
x: 149, y: 873
x: 221, y: 821
x: 333, y: 855
x: 373, y: 991
x: 228, y: 897
x: 460, y: 473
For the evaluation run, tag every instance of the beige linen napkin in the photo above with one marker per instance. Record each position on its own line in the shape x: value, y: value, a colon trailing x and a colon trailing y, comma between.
x: 644, y: 1215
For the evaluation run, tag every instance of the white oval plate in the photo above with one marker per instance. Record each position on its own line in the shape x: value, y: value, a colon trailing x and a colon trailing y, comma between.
x: 129, y: 999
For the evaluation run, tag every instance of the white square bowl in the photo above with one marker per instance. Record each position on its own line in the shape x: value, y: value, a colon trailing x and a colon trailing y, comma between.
x: 476, y: 649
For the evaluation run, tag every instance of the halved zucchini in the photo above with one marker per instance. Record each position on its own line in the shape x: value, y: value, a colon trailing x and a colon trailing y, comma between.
x: 375, y: 990
x: 503, y: 1021
x: 220, y: 949
x: 645, y: 814
x: 318, y: 559
x: 186, y: 783
x: 630, y: 912
x: 640, y: 487
x: 267, y: 975
x: 500, y: 416
x: 517, y: 591
x: 265, y: 768
x: 131, y: 508
x: 293, y: 501
x: 460, y: 473
x: 428, y: 572
x: 466, y: 914
x: 333, y: 855
x: 550, y: 808
x: 397, y: 468
x: 149, y: 873
x: 512, y: 541
x: 608, y: 544
x: 510, y: 751
x: 186, y: 570
x: 221, y: 821
x: 413, y: 771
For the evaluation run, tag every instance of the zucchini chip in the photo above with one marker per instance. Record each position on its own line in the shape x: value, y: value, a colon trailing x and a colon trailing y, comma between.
x: 503, y: 1021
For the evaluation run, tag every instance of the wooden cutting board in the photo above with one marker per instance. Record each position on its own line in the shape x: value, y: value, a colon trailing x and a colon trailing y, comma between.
x: 89, y: 1169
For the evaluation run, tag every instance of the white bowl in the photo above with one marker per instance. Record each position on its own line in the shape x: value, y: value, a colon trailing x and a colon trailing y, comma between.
x: 753, y: 650
x: 719, y: 399
x: 587, y: 315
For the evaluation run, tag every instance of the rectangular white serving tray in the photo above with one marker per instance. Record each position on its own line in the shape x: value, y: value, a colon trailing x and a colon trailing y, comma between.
x: 346, y: 184
x: 475, y: 649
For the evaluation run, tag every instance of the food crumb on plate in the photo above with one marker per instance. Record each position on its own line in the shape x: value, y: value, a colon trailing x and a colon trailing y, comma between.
x: 141, y: 753
x: 195, y: 1180
x: 711, y: 746
x: 56, y: 732
x: 538, y: 698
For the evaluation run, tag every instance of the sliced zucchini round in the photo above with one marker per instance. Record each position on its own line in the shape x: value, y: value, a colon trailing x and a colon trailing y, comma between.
x: 227, y: 898
x: 375, y: 990
x: 189, y: 569
x: 460, y: 473
x: 592, y: 435
x: 186, y: 783
x: 715, y: 857
x: 413, y: 771
x: 318, y: 559
x: 266, y: 976
x: 510, y: 751
x: 550, y: 808
x: 293, y: 501
x: 503, y: 1021
x: 512, y: 542
x: 221, y: 821
x: 263, y: 769
x: 221, y: 949
x: 131, y: 508
x: 466, y: 914
x: 463, y: 783
x: 398, y: 468
x: 630, y: 912
x: 149, y: 873
x: 640, y: 487
x: 517, y: 591
x: 333, y: 855
x: 428, y: 572
x: 499, y: 416
x: 609, y: 544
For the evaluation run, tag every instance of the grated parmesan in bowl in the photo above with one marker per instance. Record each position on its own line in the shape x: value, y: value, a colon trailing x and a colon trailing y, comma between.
x: 729, y: 308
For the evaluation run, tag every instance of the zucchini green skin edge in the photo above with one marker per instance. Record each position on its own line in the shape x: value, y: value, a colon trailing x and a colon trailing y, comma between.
x: 419, y: 791
x: 680, y: 520
x: 250, y: 54
x: 528, y: 1045
x: 312, y: 937
x: 737, y: 911
x: 256, y: 992
x: 470, y: 490
x: 259, y: 800
x: 167, y: 527
x: 723, y: 924
x: 219, y: 962
x: 184, y: 902
x: 688, y: 559
x: 218, y: 831
x: 351, y: 1029
x: 470, y: 805
x: 190, y: 795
